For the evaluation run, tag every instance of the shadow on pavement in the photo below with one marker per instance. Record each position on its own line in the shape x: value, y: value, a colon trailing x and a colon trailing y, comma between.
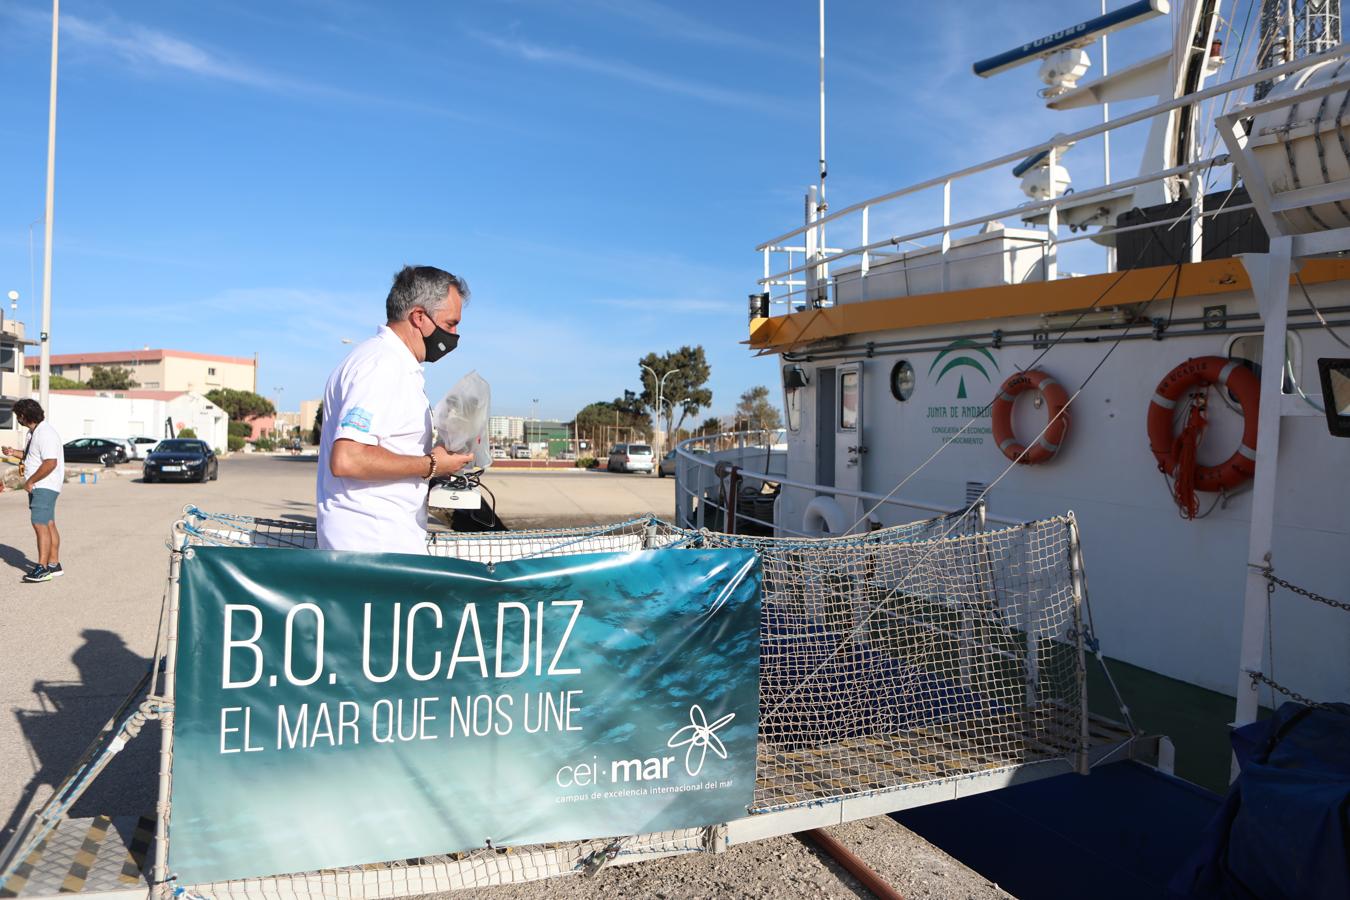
x: 15, y: 558
x: 71, y: 714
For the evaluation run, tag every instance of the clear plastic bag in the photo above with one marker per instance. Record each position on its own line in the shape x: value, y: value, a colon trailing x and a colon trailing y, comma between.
x: 461, y: 419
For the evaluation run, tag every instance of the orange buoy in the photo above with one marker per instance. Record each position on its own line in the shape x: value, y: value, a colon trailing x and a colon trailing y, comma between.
x: 1048, y: 444
x: 1172, y: 453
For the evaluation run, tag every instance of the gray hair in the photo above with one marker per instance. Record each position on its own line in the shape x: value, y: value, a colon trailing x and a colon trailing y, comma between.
x: 424, y: 286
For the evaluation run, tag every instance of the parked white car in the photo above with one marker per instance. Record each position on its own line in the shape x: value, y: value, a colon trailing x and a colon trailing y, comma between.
x: 128, y: 448
x: 141, y: 447
x: 631, y: 458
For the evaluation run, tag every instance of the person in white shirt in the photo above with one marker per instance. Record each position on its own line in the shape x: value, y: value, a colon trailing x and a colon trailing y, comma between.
x: 375, y: 453
x: 44, y: 469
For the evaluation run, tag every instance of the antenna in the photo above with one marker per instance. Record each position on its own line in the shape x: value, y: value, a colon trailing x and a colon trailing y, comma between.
x: 821, y: 188
x: 1292, y: 29
x: 1075, y: 37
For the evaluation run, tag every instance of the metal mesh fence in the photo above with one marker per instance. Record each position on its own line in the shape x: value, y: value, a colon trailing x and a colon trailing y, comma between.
x: 905, y: 655
x: 896, y: 657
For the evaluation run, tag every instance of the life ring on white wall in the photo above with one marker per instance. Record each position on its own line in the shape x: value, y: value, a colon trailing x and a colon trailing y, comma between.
x: 825, y: 517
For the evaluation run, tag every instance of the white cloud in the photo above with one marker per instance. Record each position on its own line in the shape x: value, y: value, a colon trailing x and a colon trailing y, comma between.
x: 151, y: 50
x: 622, y: 71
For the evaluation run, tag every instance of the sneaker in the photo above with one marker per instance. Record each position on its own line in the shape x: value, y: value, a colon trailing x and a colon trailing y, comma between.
x: 55, y: 570
x: 39, y: 573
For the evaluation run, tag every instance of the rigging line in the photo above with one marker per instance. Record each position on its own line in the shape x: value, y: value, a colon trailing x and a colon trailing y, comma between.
x: 1120, y: 276
x: 1317, y: 312
x: 957, y: 520
x: 1234, y: 69
x: 1060, y: 337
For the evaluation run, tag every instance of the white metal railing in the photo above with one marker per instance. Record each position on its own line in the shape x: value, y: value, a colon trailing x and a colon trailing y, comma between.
x: 698, y: 486
x: 814, y: 268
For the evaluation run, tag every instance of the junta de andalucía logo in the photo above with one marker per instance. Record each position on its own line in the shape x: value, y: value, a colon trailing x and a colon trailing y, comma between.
x: 961, y: 354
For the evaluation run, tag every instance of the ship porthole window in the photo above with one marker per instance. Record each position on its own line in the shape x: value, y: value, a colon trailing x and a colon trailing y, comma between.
x: 902, y: 380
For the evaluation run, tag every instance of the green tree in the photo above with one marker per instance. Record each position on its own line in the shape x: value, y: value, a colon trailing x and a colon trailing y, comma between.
x: 686, y: 389
x: 316, y: 431
x: 112, y: 378
x: 241, y: 405
x: 62, y: 383
x: 711, y: 425
x: 186, y: 433
x: 757, y: 411
x: 597, y: 422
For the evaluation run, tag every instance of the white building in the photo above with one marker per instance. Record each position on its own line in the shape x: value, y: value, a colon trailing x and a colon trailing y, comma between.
x: 14, y: 381
x: 504, y: 429
x: 119, y: 414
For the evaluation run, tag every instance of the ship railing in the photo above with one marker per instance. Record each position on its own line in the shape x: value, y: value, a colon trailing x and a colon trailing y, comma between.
x: 714, y: 473
x: 807, y: 282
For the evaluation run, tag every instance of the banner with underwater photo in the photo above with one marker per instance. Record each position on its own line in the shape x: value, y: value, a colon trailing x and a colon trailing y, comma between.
x: 334, y: 709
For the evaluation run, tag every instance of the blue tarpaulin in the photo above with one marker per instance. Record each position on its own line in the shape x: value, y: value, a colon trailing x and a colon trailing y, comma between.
x: 1284, y: 828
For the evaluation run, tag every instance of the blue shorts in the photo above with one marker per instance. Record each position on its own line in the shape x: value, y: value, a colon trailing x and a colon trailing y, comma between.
x: 42, y: 505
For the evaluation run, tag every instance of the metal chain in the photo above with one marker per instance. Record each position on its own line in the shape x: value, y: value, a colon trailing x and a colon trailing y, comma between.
x: 1260, y: 678
x: 1269, y: 574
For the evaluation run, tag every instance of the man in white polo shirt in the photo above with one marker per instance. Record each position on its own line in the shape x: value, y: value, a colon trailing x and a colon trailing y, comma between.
x: 376, y: 454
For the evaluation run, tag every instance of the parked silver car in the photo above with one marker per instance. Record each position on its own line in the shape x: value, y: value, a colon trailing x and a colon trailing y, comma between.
x: 631, y: 458
x: 667, y: 466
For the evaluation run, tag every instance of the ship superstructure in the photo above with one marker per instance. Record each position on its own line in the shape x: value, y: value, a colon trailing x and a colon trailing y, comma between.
x: 1173, y: 399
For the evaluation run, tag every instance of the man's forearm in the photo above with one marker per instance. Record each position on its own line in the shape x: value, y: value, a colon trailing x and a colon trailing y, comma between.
x: 45, y: 469
x: 367, y: 462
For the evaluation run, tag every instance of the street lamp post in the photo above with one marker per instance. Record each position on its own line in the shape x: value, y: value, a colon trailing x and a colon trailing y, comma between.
x: 660, y: 388
x: 45, y: 365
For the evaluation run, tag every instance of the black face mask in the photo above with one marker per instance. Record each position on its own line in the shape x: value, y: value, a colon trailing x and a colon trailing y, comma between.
x: 439, y: 343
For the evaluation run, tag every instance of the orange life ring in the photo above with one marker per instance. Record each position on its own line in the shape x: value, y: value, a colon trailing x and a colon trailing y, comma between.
x: 1202, y: 372
x: 1056, y: 398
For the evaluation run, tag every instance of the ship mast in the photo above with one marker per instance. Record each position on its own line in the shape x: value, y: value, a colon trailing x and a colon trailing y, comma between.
x: 1292, y: 29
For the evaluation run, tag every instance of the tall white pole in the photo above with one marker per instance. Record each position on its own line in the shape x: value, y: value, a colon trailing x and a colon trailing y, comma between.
x: 1269, y: 274
x: 820, y: 187
x: 45, y: 367
x: 1106, y: 144
x: 820, y: 194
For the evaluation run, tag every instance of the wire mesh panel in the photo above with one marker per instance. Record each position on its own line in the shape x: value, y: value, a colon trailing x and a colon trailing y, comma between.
x: 903, y: 656
x: 646, y: 532
x: 457, y: 871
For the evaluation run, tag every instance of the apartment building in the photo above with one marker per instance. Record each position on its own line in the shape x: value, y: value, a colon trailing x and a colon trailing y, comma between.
x: 162, y: 370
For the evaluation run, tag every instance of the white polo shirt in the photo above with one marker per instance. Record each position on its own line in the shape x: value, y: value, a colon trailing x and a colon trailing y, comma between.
x: 377, y: 396
x: 44, y: 444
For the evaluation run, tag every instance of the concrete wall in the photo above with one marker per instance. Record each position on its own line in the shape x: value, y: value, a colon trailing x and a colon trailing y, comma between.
x: 308, y: 410
x: 202, y: 375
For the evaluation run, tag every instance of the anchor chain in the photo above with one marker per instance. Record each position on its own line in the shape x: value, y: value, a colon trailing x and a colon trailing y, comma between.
x: 1268, y: 573
x: 1260, y: 678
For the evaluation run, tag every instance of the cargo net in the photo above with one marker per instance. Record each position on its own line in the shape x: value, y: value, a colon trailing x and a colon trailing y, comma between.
x: 642, y: 533
x: 914, y: 653
x: 906, y: 655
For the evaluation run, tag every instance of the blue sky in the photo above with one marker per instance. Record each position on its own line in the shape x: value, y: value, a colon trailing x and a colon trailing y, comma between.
x: 243, y: 176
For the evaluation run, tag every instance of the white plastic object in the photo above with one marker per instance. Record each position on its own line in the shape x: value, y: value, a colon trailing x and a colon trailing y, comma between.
x: 448, y: 498
x: 461, y: 419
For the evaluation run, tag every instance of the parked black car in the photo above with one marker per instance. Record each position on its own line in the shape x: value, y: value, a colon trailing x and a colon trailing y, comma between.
x: 182, y: 459
x: 96, y: 450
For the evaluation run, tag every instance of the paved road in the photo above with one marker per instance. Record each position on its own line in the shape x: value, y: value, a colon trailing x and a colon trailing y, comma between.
x: 72, y: 648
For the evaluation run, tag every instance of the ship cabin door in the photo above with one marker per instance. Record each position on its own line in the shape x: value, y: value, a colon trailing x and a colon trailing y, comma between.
x: 849, y: 449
